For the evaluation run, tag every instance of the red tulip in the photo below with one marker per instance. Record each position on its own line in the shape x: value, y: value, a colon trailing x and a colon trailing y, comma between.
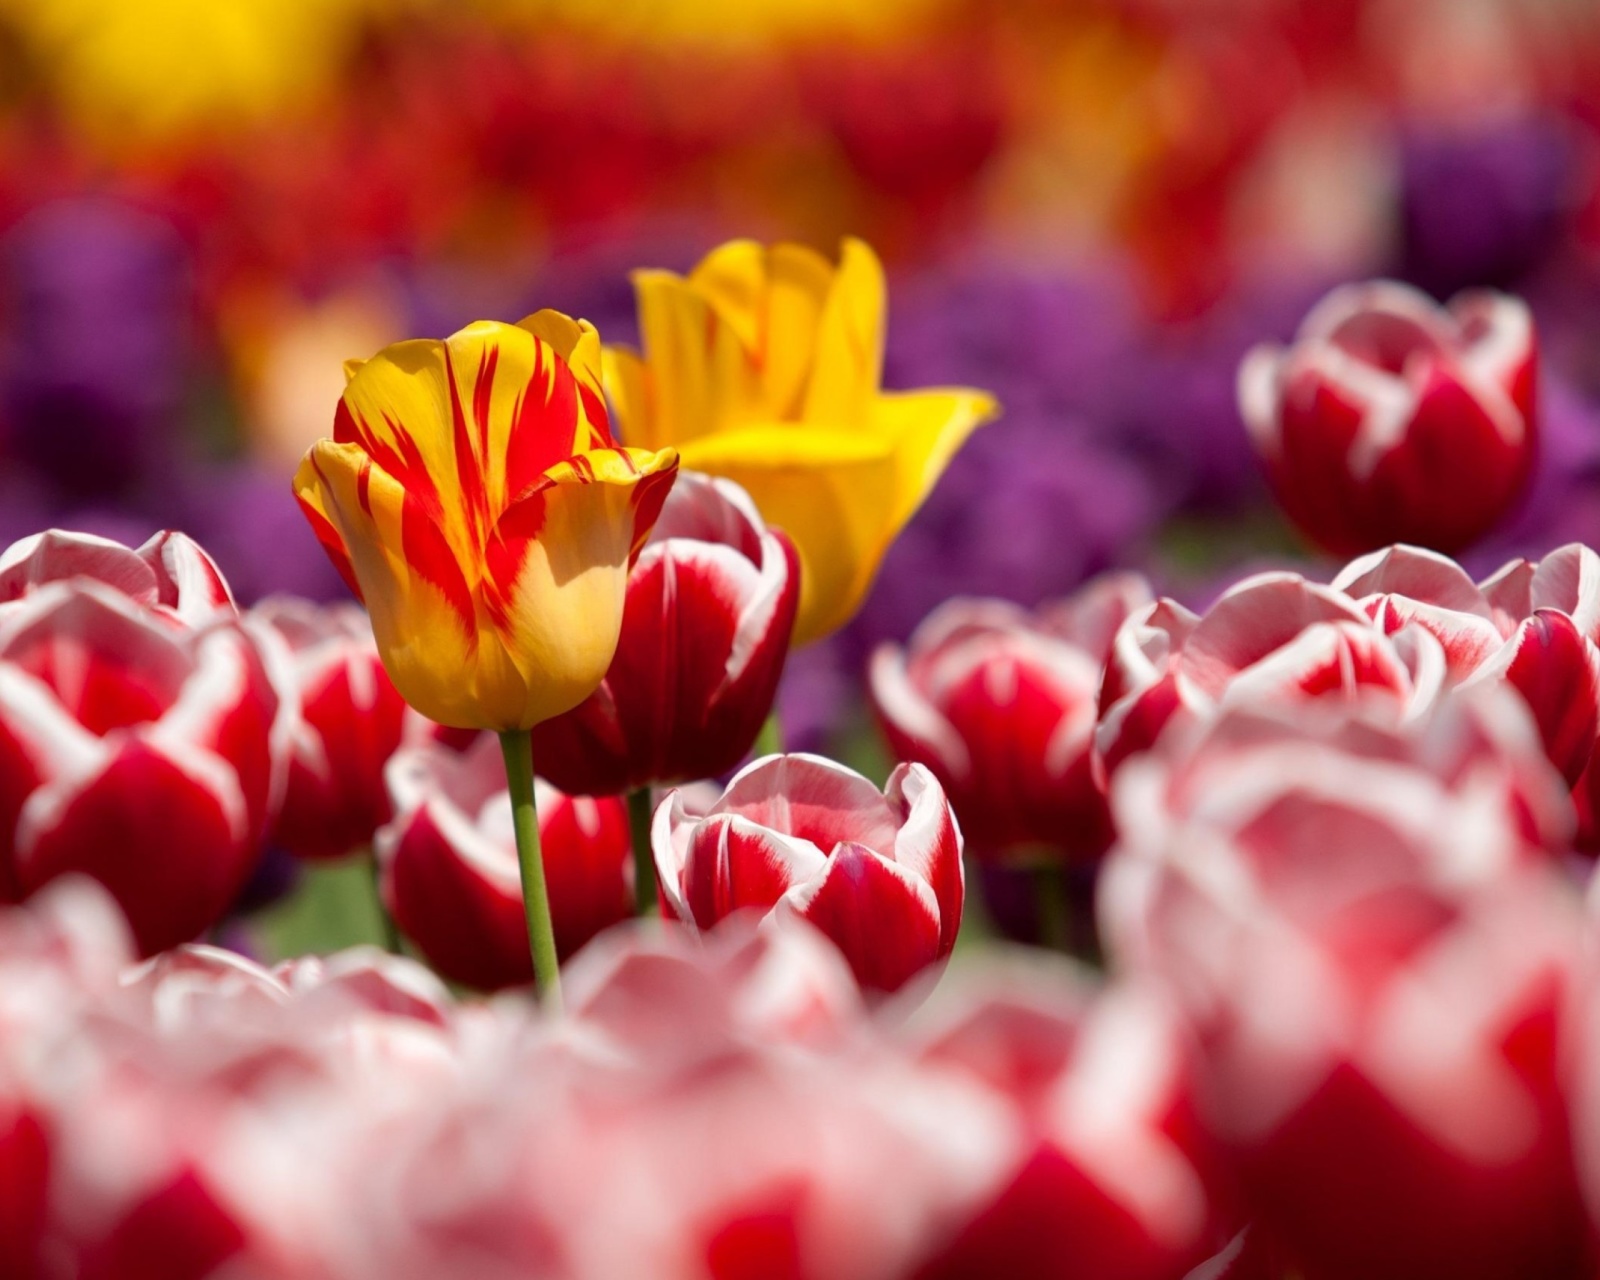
x: 705, y: 631
x: 1273, y: 638
x: 449, y: 864
x: 1374, y: 962
x: 1000, y: 706
x: 1391, y: 419
x: 877, y: 872
x: 352, y: 720
x: 143, y: 729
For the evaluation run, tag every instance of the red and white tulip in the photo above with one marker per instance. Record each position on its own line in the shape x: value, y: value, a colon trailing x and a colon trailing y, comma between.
x: 1392, y: 419
x: 705, y: 631
x: 999, y: 704
x: 144, y: 729
x: 448, y: 864
x: 878, y: 872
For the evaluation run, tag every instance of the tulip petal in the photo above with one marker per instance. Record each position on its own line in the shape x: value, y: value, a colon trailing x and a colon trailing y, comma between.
x: 813, y: 798
x: 928, y: 427
x: 883, y: 917
x: 165, y: 833
x: 848, y: 363
x: 929, y: 844
x: 557, y: 571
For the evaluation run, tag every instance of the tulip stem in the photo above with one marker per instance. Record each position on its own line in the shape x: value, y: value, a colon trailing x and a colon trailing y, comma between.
x: 517, y: 746
x: 386, y: 924
x: 769, y: 742
x: 644, y: 861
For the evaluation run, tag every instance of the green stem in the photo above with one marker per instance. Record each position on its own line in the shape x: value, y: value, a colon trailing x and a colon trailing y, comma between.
x: 389, y: 930
x: 769, y: 742
x: 1054, y: 912
x: 644, y: 861
x: 517, y: 746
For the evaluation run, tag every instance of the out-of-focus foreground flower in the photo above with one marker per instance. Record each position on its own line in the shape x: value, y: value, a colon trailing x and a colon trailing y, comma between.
x: 473, y: 498
x: 145, y: 728
x: 763, y: 365
x: 711, y: 606
x: 879, y: 872
x: 1391, y: 419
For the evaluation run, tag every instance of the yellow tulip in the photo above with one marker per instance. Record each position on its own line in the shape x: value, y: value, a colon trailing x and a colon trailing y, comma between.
x: 763, y: 365
x: 473, y: 497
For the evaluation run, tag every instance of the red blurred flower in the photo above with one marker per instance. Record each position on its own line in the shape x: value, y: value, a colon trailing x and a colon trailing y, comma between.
x: 1111, y: 1177
x: 449, y: 864
x: 705, y: 631
x: 352, y: 720
x: 878, y: 872
x: 1274, y: 637
x: 143, y: 729
x: 1391, y: 419
x: 1000, y: 705
x: 1375, y: 964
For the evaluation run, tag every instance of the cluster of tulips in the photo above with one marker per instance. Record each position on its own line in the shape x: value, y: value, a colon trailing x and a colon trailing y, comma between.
x: 1349, y: 1024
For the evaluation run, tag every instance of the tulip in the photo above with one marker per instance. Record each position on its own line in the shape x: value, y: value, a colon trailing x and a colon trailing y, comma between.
x: 1111, y: 1176
x: 352, y: 720
x: 144, y: 729
x: 1000, y: 705
x: 448, y: 865
x: 1533, y: 628
x: 1273, y: 638
x: 1391, y: 419
x: 711, y: 606
x: 799, y: 836
x: 763, y: 365
x: 473, y: 498
x: 1351, y: 917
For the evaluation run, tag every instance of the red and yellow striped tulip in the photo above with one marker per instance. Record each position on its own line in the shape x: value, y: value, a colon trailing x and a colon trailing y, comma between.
x: 474, y: 499
x: 763, y: 365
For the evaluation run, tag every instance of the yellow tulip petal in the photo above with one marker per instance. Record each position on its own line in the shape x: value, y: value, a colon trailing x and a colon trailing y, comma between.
x: 578, y: 343
x: 465, y: 424
x: 848, y: 361
x: 627, y: 383
x: 927, y: 427
x: 423, y: 615
x: 830, y: 491
x: 558, y: 571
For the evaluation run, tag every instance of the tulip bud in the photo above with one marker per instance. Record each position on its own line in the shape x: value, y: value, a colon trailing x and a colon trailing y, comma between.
x: 705, y: 630
x: 352, y: 720
x: 448, y: 864
x: 1392, y: 419
x: 877, y: 872
x: 1000, y: 705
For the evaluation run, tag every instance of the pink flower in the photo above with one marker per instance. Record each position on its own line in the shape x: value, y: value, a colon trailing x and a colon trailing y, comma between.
x: 144, y: 729
x: 1374, y: 960
x: 352, y: 719
x: 705, y: 631
x: 877, y: 872
x: 449, y: 864
x: 1392, y: 419
x: 1000, y: 705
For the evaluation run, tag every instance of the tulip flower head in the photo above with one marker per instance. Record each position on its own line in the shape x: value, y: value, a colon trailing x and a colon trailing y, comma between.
x: 763, y: 365
x: 1391, y: 419
x: 473, y: 497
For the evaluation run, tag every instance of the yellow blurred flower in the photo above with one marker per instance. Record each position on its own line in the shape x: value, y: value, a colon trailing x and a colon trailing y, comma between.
x: 763, y: 365
x: 473, y: 497
x: 137, y: 68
